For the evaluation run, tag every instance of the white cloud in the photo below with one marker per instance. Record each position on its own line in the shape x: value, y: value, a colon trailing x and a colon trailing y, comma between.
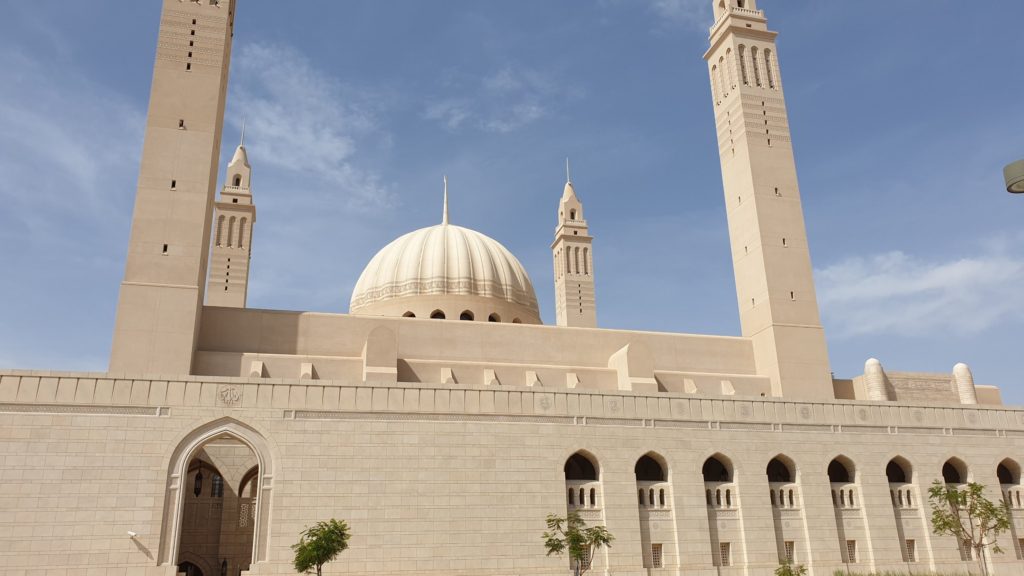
x: 896, y: 293
x: 691, y: 13
x: 307, y: 123
x: 68, y: 152
x: 503, y: 101
x: 671, y: 14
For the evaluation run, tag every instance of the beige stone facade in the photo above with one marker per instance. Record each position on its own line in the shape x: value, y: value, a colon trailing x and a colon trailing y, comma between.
x: 444, y: 422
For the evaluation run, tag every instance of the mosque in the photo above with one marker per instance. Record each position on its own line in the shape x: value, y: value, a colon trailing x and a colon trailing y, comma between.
x: 443, y: 421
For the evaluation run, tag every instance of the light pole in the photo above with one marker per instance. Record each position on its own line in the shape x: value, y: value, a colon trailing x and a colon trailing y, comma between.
x: 1014, y: 174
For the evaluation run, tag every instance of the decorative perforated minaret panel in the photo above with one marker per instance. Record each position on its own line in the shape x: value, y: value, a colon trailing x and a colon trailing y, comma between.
x: 161, y: 296
x: 233, y: 224
x: 574, y: 265
x: 772, y: 263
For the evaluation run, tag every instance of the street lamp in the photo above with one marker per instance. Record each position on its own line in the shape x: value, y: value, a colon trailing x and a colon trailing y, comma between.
x: 1015, y: 177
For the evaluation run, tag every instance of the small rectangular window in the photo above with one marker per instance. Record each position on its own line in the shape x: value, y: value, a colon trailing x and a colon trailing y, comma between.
x: 790, y: 551
x: 193, y: 33
x: 189, y: 54
x: 725, y: 553
x: 911, y: 551
x: 656, y: 561
x: 165, y: 249
x: 188, y: 67
x: 181, y: 124
x: 851, y: 551
x: 174, y: 184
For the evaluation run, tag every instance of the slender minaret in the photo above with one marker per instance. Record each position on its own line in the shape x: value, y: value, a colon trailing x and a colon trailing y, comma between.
x: 772, y: 263
x: 233, y: 225
x: 162, y: 293
x: 574, y: 263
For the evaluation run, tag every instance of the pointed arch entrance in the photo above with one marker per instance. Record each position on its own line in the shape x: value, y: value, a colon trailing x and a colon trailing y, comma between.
x: 217, y: 499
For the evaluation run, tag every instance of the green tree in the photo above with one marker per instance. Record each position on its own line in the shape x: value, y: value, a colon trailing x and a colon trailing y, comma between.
x: 319, y: 545
x: 967, y: 515
x: 790, y: 569
x: 571, y: 534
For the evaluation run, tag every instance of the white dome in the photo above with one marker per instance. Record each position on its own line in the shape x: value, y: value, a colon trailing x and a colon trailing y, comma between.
x: 449, y: 268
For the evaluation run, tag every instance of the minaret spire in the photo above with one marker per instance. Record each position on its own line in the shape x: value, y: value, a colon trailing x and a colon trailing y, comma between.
x: 444, y: 217
x: 241, y: 142
x: 568, y: 173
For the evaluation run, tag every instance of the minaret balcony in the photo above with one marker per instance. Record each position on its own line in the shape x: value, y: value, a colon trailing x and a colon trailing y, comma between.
x: 733, y: 10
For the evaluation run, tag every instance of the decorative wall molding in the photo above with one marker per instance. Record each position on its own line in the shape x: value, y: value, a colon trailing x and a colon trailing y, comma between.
x: 84, y: 410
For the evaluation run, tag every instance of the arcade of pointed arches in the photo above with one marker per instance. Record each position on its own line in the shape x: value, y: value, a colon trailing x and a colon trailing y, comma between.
x: 584, y: 495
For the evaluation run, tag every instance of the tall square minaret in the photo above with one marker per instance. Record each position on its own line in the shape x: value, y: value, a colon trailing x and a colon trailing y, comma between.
x: 161, y: 298
x: 772, y: 263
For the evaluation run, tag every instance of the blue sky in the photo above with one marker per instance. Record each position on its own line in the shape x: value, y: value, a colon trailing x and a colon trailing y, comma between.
x: 903, y: 114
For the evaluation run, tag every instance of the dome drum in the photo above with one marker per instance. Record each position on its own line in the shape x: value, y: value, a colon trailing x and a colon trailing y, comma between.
x: 454, y: 307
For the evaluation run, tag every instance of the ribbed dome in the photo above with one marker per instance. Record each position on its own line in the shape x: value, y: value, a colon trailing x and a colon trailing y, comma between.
x: 446, y: 264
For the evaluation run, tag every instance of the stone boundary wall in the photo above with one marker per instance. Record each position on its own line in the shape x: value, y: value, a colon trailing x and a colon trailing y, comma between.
x: 52, y: 392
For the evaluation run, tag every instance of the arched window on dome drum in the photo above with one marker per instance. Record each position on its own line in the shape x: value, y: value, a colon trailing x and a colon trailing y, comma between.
x: 241, y: 232
x: 494, y: 318
x: 231, y: 232
x: 586, y: 261
x: 517, y: 321
x: 437, y: 315
x: 409, y: 315
x: 466, y: 316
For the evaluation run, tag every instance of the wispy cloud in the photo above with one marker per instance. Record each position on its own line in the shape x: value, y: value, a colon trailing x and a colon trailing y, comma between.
x: 308, y: 123
x: 69, y: 149
x: 503, y: 101
x: 672, y: 14
x: 896, y: 293
x: 689, y: 13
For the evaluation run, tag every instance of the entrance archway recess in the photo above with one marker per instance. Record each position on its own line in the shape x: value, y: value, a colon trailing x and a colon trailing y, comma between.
x: 177, y: 473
